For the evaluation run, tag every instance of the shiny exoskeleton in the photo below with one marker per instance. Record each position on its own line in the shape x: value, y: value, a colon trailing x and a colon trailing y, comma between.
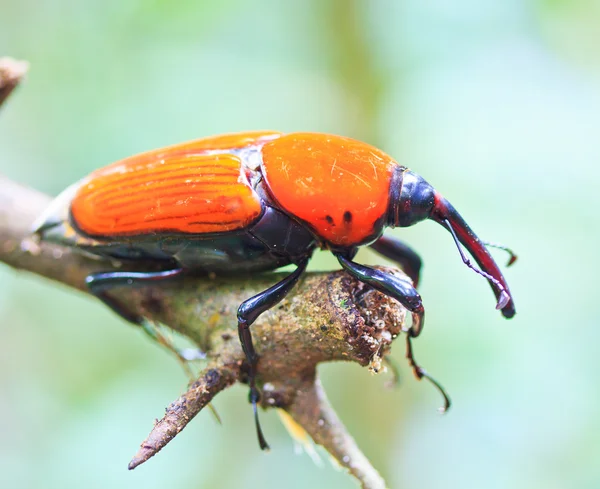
x: 252, y: 202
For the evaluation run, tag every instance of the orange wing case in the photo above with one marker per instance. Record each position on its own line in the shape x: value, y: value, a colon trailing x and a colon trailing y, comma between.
x: 185, y: 188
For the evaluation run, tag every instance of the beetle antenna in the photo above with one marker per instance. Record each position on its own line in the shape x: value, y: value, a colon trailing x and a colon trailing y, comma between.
x: 420, y: 373
x: 512, y: 255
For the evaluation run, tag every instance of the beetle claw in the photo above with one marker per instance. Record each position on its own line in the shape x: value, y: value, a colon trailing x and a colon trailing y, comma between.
x: 421, y: 373
x: 254, y: 398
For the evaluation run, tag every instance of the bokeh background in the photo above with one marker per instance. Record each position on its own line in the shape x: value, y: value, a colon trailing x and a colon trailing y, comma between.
x: 496, y: 103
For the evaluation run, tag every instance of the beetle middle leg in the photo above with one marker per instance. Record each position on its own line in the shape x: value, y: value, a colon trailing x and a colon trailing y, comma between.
x: 248, y: 312
x: 404, y: 292
x: 397, y: 251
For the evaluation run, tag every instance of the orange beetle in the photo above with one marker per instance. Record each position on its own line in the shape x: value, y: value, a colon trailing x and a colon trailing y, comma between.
x: 257, y: 201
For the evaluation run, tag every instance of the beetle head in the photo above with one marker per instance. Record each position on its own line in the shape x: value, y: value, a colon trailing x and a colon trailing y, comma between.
x: 412, y: 199
x: 416, y: 200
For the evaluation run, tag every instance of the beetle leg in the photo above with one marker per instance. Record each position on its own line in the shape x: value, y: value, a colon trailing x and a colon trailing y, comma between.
x: 401, y: 290
x: 395, y: 287
x: 102, y: 282
x: 420, y: 372
x: 248, y: 312
x: 397, y: 251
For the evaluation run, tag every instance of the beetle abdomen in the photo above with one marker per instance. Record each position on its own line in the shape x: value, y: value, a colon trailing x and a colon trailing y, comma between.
x: 339, y: 186
x: 183, y: 193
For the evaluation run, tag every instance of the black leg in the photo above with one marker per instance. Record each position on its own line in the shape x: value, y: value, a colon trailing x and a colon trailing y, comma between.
x: 407, y: 295
x: 420, y: 372
x: 395, y: 287
x: 102, y: 282
x: 405, y: 256
x: 248, y: 312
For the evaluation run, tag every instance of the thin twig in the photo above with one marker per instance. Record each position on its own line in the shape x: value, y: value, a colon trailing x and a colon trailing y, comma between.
x: 180, y: 412
x: 313, y: 412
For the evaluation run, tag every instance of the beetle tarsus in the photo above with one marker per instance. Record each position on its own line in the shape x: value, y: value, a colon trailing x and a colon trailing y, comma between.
x: 254, y: 394
x: 254, y: 400
x: 421, y: 373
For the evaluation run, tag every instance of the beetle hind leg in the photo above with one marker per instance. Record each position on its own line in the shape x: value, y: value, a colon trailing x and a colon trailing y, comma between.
x: 101, y: 283
x: 248, y: 312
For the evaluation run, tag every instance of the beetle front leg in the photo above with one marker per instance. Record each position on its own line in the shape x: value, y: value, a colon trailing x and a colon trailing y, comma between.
x: 395, y: 287
x: 401, y: 290
x: 248, y: 312
x: 397, y: 251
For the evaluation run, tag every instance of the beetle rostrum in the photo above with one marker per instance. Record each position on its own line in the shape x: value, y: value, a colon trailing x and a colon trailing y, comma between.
x: 257, y: 201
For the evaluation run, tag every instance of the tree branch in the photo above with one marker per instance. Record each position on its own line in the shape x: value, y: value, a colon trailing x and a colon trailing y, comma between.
x: 327, y: 317
x: 180, y: 412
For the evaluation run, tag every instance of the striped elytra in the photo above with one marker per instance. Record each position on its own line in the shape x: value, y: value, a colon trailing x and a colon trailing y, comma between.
x: 191, y: 188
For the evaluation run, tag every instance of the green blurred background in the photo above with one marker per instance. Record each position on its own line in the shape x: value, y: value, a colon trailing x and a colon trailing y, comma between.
x: 496, y: 103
